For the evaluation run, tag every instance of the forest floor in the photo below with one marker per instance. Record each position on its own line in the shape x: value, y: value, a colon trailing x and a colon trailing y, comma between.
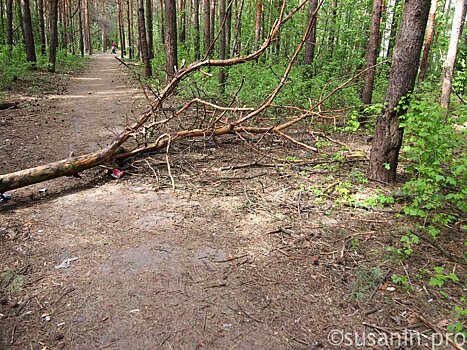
x: 242, y: 255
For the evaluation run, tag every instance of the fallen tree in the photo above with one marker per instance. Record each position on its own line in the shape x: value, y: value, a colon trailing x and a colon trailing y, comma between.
x: 216, y: 127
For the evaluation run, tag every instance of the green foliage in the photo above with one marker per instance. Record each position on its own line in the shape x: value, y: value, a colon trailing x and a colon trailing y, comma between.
x: 366, y: 280
x: 435, y: 148
x: 408, y: 242
x: 12, y: 64
x: 401, y: 281
x: 11, y: 281
x: 440, y: 277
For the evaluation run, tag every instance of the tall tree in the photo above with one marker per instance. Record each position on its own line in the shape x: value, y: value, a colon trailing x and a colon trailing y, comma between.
x: 236, y: 47
x: 333, y: 30
x: 149, y: 26
x: 182, y: 31
x: 213, y: 21
x: 162, y: 21
x: 448, y: 71
x: 42, y: 26
x: 80, y: 28
x: 222, y: 44
x: 372, y: 52
x: 258, y: 17
x: 196, y: 40
x: 129, y: 13
x: 143, y: 40
x: 207, y: 26
x: 430, y: 31
x: 388, y: 135
x: 121, y: 26
x: 171, y: 57
x: 27, y: 31
x: 87, y: 28
x: 311, y: 38
x: 9, y: 23
x: 53, y: 34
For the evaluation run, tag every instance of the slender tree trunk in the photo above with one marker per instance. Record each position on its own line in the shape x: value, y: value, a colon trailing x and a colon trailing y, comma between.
x: 372, y: 52
x: 27, y: 30
x: 130, y: 27
x: 182, y: 31
x: 213, y: 21
x: 64, y: 25
x: 80, y: 27
x: 207, y: 26
x: 149, y: 28
x: 238, y: 29
x: 222, y: 48
x: 170, y: 39
x: 447, y: 7
x: 393, y: 31
x: 87, y: 28
x: 258, y: 16
x: 143, y: 40
x: 448, y: 71
x: 53, y: 34
x: 311, y: 38
x: 430, y: 31
x: 2, y: 18
x: 228, y: 26
x: 42, y: 26
x: 72, y: 29
x: 9, y: 23
x: 121, y: 25
x: 162, y: 23
x: 196, y: 43
x: 332, y: 32
x: 388, y: 135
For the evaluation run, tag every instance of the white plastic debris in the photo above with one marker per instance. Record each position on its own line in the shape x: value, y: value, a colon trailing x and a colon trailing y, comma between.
x: 66, y: 263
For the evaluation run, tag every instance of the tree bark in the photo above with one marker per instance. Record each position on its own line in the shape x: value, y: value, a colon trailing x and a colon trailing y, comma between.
x: 143, y: 40
x: 130, y: 27
x: 311, y: 38
x: 430, y: 31
x: 42, y: 26
x: 121, y: 26
x: 236, y: 49
x: 171, y: 56
x: 207, y: 26
x: 333, y: 30
x: 80, y: 27
x: 197, y: 45
x: 182, y: 32
x: 393, y: 31
x: 27, y: 30
x: 9, y: 23
x: 149, y: 29
x: 53, y: 34
x: 222, y: 44
x: 87, y: 28
x: 162, y: 23
x: 448, y: 70
x: 258, y: 15
x: 388, y: 135
x: 372, y: 52
x: 212, y: 31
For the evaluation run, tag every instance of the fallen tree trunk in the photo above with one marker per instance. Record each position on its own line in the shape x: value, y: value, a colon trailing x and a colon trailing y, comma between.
x: 75, y: 165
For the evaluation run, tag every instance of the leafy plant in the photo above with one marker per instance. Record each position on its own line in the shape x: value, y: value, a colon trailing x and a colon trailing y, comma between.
x: 440, y: 277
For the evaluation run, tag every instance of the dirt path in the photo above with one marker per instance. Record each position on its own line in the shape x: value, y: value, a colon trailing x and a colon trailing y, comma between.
x: 155, y: 270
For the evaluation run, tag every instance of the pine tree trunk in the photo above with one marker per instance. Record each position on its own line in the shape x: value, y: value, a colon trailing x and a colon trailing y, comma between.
x: 182, y: 32
x: 212, y: 31
x: 162, y: 23
x: 196, y: 40
x: 170, y: 39
x: 149, y: 28
x: 143, y: 40
x: 207, y: 26
x: 53, y: 34
x: 121, y: 24
x: 9, y: 23
x: 42, y: 26
x: 130, y: 27
x: 388, y: 135
x: 87, y: 28
x: 27, y: 30
x: 448, y: 70
x: 393, y: 31
x: 430, y: 31
x: 311, y: 38
x: 258, y: 16
x: 238, y: 29
x: 228, y: 27
x: 222, y: 42
x: 80, y: 25
x: 372, y: 52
